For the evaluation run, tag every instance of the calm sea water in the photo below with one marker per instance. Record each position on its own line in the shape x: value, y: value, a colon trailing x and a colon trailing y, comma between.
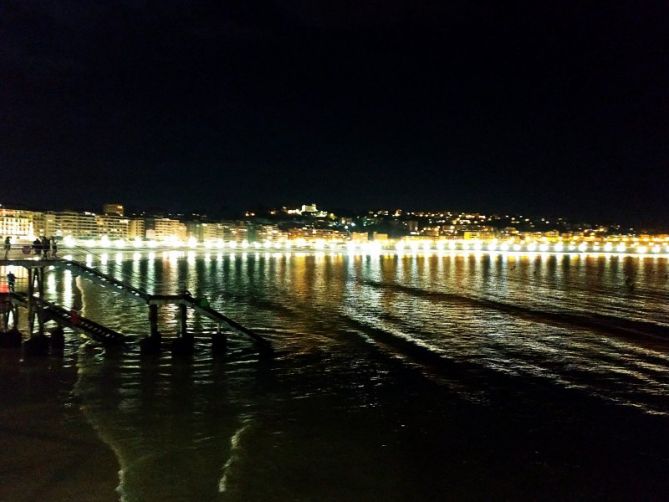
x: 409, y: 377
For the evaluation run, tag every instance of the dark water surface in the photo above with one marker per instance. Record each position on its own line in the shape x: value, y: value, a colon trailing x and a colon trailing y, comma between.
x: 397, y: 378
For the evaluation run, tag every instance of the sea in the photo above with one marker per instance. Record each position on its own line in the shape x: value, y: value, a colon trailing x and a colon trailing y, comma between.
x: 394, y: 377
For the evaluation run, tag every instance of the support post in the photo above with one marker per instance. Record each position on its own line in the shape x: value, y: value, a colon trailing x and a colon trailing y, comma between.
x: 183, y: 316
x: 31, y: 302
x: 153, y: 321
x: 39, y: 276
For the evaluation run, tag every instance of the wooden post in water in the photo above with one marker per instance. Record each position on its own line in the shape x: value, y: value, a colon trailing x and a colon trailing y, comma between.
x: 183, y: 316
x: 153, y: 321
x: 39, y: 279
x: 31, y: 302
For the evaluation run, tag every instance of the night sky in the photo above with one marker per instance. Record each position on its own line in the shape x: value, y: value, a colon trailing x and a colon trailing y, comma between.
x: 555, y: 108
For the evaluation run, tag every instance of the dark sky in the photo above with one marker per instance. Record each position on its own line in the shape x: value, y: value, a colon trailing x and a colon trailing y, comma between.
x: 557, y: 108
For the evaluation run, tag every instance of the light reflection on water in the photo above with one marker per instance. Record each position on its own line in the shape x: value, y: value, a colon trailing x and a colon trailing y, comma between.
x: 363, y: 343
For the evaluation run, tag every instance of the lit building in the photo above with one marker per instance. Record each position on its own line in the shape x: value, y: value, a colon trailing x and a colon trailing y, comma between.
x: 112, y: 226
x: 113, y: 209
x: 136, y: 228
x: 359, y: 236
x: 165, y: 229
x: 80, y: 225
x: 45, y: 223
x: 16, y: 223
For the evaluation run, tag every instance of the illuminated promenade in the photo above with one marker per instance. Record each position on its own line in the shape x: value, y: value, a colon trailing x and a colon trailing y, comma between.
x: 617, y: 246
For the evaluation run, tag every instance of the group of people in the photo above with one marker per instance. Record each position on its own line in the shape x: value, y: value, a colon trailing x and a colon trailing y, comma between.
x: 45, y: 247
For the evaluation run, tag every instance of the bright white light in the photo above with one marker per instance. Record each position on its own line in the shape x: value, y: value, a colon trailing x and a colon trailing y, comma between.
x: 192, y: 242
x: 478, y: 246
x: 504, y: 246
x: 621, y: 248
x: 120, y: 243
x: 267, y: 244
x: 559, y: 247
x: 656, y: 249
x: 233, y: 244
x: 104, y: 241
x: 492, y: 246
x: 69, y: 241
x: 245, y: 244
x: 451, y: 246
x: 641, y: 249
x: 517, y: 247
x: 582, y: 247
x: 138, y: 242
x: 543, y: 248
x: 532, y: 247
x: 440, y: 246
x: 608, y: 247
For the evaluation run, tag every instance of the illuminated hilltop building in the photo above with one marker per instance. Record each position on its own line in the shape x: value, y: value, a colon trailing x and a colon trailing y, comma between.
x: 113, y: 209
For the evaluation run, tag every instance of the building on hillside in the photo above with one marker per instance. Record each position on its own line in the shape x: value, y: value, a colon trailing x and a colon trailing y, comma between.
x: 113, y: 209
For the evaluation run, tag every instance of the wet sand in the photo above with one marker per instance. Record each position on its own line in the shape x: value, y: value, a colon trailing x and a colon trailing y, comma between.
x: 48, y: 450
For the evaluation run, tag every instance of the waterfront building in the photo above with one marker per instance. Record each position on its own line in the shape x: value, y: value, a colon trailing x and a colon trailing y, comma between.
x: 16, y: 223
x: 112, y: 226
x: 136, y: 228
x: 45, y: 223
x: 359, y: 236
x: 163, y: 229
x: 80, y: 225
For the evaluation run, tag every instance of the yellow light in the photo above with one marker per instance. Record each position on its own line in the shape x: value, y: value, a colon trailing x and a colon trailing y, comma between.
x: 641, y: 249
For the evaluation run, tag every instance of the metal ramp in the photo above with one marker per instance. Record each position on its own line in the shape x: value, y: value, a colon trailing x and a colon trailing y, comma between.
x: 102, y: 278
x: 64, y: 317
x: 183, y: 301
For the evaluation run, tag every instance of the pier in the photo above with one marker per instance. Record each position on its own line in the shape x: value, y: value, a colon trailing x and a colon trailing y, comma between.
x: 40, y: 310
